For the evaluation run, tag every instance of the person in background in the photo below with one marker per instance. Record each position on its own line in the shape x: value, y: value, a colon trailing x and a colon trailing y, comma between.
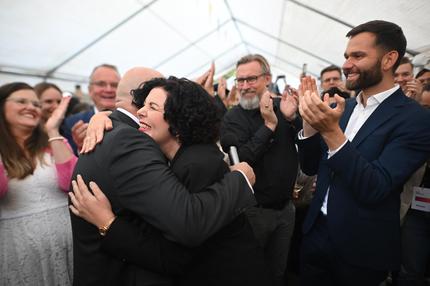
x: 404, y: 76
x: 425, y: 96
x: 331, y: 83
x: 50, y: 96
x: 102, y: 91
x: 331, y: 76
x: 415, y: 221
x: 35, y: 171
x: 263, y: 128
x: 423, y: 76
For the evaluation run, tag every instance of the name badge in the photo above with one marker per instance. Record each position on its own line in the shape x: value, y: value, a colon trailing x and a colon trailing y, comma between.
x: 421, y: 199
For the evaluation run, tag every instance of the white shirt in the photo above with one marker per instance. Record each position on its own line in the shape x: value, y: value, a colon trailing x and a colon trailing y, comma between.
x: 358, y: 117
x: 129, y: 114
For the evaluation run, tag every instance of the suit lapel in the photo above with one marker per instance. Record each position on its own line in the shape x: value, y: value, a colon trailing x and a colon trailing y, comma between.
x: 385, y: 111
x: 349, y: 107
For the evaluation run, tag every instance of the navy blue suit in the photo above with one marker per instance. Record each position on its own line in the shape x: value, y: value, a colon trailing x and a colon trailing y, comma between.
x: 68, y: 123
x: 365, y: 178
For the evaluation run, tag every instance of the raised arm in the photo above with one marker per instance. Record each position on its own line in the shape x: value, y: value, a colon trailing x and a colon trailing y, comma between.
x: 64, y: 158
x: 145, y: 185
x: 141, y: 244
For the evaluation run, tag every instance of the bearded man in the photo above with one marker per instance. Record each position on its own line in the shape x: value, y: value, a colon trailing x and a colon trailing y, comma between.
x: 263, y: 129
x: 363, y: 151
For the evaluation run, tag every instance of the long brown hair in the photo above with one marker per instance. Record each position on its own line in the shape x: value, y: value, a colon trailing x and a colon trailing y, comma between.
x: 16, y: 161
x: 41, y: 87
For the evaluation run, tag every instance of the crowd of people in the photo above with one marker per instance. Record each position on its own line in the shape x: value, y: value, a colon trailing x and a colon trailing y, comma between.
x: 333, y: 183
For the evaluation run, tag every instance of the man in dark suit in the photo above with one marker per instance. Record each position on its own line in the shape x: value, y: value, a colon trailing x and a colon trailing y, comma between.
x: 363, y: 150
x: 102, y: 91
x: 133, y: 173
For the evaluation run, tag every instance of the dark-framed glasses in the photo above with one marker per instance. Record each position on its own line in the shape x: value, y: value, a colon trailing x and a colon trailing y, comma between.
x: 104, y: 84
x: 250, y: 79
x: 334, y: 79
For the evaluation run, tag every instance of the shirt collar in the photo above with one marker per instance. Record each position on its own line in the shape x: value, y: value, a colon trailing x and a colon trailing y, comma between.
x: 377, y: 98
x: 129, y: 114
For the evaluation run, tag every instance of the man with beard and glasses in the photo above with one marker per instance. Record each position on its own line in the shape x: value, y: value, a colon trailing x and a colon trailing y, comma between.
x: 263, y: 128
x: 363, y: 151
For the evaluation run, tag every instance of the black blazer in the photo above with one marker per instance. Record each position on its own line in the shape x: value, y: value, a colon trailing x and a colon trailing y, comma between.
x: 232, y: 256
x: 366, y: 177
x: 132, y: 172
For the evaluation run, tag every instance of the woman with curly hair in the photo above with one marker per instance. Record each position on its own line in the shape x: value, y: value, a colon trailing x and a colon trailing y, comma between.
x: 183, y: 119
x: 36, y: 166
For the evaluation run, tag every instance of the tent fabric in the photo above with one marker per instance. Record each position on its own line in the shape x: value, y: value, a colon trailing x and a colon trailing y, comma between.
x: 61, y: 41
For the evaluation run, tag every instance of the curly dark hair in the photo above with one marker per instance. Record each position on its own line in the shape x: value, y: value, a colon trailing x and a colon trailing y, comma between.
x: 189, y: 110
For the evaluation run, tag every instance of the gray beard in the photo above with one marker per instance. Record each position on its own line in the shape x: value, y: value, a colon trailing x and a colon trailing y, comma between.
x: 249, y: 104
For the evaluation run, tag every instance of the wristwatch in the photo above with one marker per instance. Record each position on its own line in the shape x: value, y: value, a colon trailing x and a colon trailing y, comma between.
x: 104, y: 229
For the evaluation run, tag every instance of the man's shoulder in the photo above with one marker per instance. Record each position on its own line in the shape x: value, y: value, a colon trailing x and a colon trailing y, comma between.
x: 122, y: 130
x: 410, y: 109
x: 128, y: 138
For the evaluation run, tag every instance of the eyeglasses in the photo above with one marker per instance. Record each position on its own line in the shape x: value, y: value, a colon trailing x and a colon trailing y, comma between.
x: 250, y: 79
x: 104, y: 84
x: 334, y: 79
x: 25, y: 102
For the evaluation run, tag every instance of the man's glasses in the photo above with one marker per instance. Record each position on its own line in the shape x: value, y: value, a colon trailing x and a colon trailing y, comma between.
x: 25, y: 102
x: 250, y: 79
x: 105, y: 84
x: 334, y: 79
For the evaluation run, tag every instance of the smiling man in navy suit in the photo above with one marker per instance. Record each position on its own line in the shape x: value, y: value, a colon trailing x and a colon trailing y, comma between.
x: 363, y: 151
x: 104, y: 80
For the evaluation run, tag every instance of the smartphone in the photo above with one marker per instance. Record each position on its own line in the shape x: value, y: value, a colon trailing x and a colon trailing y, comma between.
x: 304, y: 69
x: 281, y: 82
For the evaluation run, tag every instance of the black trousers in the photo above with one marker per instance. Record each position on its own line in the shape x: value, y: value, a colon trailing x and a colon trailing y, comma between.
x: 415, y: 248
x: 320, y: 265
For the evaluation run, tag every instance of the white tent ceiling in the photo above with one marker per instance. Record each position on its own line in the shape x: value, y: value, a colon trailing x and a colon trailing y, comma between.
x: 63, y: 40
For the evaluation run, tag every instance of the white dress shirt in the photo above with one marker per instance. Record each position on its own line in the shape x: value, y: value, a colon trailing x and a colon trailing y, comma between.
x: 358, y: 117
x: 132, y: 116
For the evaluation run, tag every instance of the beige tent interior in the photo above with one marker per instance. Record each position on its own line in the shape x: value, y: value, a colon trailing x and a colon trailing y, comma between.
x: 61, y: 41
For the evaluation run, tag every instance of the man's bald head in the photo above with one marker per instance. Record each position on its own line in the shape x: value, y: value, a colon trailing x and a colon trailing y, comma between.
x: 131, y: 80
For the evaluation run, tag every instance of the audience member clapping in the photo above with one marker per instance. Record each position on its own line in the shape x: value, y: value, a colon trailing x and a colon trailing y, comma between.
x: 36, y: 164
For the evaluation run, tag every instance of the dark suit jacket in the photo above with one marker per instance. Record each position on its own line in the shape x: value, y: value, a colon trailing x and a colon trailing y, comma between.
x: 365, y: 179
x: 231, y: 256
x: 70, y: 121
x: 132, y: 172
